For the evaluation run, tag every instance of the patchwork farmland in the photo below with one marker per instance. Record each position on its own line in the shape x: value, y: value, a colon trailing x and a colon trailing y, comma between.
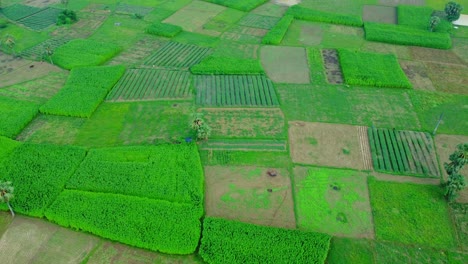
x: 232, y: 131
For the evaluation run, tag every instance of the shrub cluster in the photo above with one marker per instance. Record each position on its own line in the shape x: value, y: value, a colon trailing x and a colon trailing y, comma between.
x: 404, y: 35
x: 163, y: 29
x: 85, y: 89
x: 15, y: 115
x: 225, y: 241
x: 303, y: 13
x: 83, y: 52
x: 243, y: 5
x: 39, y: 174
x: 225, y: 65
x: 165, y: 172
x: 152, y: 224
x: 381, y: 70
x: 67, y: 17
x: 276, y: 34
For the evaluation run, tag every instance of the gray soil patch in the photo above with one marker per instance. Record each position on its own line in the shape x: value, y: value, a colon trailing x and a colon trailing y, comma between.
x: 417, y: 74
x: 380, y: 14
x: 402, y: 2
x: 332, y: 66
x: 287, y: 2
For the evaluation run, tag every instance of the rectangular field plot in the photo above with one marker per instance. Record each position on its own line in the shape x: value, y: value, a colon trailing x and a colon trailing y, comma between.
x: 245, y: 144
x: 193, y: 16
x: 175, y: 54
x: 16, y: 12
x: 41, y: 20
x: 132, y: 9
x: 259, y: 21
x: 37, y: 52
x: 403, y: 152
x: 285, y: 64
x: 235, y: 90
x: 148, y: 84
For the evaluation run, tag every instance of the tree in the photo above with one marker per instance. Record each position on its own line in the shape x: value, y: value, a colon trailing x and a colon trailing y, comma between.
x: 10, y: 42
x: 6, y: 194
x: 452, y: 11
x: 199, y: 126
x: 48, y: 52
x: 456, y: 181
x: 435, y: 20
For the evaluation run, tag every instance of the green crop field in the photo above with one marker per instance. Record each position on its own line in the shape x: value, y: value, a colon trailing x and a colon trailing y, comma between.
x: 232, y: 131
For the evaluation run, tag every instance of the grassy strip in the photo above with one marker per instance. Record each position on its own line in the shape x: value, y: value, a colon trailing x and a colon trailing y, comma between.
x: 85, y: 89
x: 39, y: 173
x: 303, y: 13
x: 276, y: 34
x: 226, y: 241
x: 404, y: 35
x: 243, y: 5
x: 317, y: 72
x: 163, y: 29
x: 83, y: 52
x: 257, y: 158
x: 152, y: 224
x: 223, y: 65
x: 165, y: 172
x: 381, y: 70
x: 15, y: 115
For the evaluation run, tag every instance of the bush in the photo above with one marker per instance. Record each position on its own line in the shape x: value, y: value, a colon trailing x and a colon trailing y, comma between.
x: 303, y: 13
x: 225, y: 241
x: 83, y: 52
x: 66, y: 17
x: 3, y: 23
x: 15, y: 115
x: 243, y: 5
x: 381, y: 70
x: 452, y: 11
x: 163, y: 29
x: 39, y: 173
x: 85, y: 89
x: 152, y: 224
x: 166, y: 172
x: 276, y: 34
x: 223, y: 65
x: 404, y: 35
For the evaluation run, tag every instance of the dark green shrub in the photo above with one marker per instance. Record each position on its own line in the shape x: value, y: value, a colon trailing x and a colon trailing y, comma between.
x: 66, y: 17
x: 452, y: 11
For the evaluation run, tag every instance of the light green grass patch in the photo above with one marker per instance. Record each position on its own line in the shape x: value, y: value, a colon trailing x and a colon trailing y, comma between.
x: 333, y: 201
x: 347, y: 250
x: 411, y: 213
x: 236, y: 50
x: 305, y: 33
x: 285, y: 64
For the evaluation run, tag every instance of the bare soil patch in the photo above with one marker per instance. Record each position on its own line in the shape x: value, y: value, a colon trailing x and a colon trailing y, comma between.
x: 323, y: 144
x: 448, y: 78
x: 380, y: 14
x: 332, y: 66
x: 401, y: 52
x: 250, y: 194
x: 435, y: 55
x: 417, y: 74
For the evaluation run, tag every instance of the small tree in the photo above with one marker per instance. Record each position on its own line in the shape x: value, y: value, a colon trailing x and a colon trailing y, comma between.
x: 6, y: 194
x: 48, y: 52
x: 452, y: 11
x: 456, y: 181
x: 10, y: 42
x: 435, y: 20
x: 199, y: 126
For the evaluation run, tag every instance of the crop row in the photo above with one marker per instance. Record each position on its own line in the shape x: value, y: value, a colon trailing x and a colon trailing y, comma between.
x: 149, y: 84
x: 403, y: 152
x: 225, y: 65
x: 235, y: 90
x: 175, y: 54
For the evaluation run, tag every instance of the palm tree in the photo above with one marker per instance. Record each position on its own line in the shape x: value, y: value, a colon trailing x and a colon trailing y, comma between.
x: 6, y: 194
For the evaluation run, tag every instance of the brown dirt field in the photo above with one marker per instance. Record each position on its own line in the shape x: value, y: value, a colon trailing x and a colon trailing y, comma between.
x: 448, y: 78
x: 417, y: 74
x: 323, y: 144
x: 435, y: 55
x: 248, y: 194
x: 446, y: 145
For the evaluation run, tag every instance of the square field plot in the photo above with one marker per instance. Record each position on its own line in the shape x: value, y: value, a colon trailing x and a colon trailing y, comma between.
x: 332, y: 201
x: 249, y: 194
x: 149, y: 84
x: 193, y: 16
x: 175, y: 54
x: 330, y: 145
x: 403, y: 152
x: 285, y: 64
x: 411, y: 214
x: 380, y: 14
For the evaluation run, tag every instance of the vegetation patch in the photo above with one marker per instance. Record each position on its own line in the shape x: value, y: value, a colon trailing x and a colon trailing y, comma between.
x: 83, y: 52
x: 403, y: 152
x: 39, y: 51
x: 236, y: 242
x: 175, y: 54
x: 44, y: 18
x: 243, y: 5
x: 411, y: 214
x: 259, y: 21
x: 348, y: 250
x: 163, y: 29
x: 276, y: 34
x: 15, y: 115
x: 7, y: 146
x: 224, y: 20
x: 381, y: 70
x: 414, y: 16
x: 149, y: 84
x: 226, y: 65
x: 303, y: 13
x: 235, y: 90
x: 285, y: 64
x: 85, y: 89
x: 332, y: 201
x: 132, y: 9
x: 244, y: 158
x: 17, y: 11
x: 39, y: 174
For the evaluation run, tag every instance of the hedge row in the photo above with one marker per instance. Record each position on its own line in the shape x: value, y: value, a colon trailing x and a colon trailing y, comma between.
x: 85, y: 89
x: 404, y: 35
x: 225, y: 241
x: 83, y: 52
x: 276, y: 34
x: 243, y: 5
x: 163, y: 29
x: 39, y: 174
x: 303, y: 13
x: 166, y: 172
x: 152, y: 224
x: 225, y: 65
x: 381, y: 70
x: 15, y: 115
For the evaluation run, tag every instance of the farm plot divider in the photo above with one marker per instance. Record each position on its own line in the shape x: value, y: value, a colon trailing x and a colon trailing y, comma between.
x: 403, y: 152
